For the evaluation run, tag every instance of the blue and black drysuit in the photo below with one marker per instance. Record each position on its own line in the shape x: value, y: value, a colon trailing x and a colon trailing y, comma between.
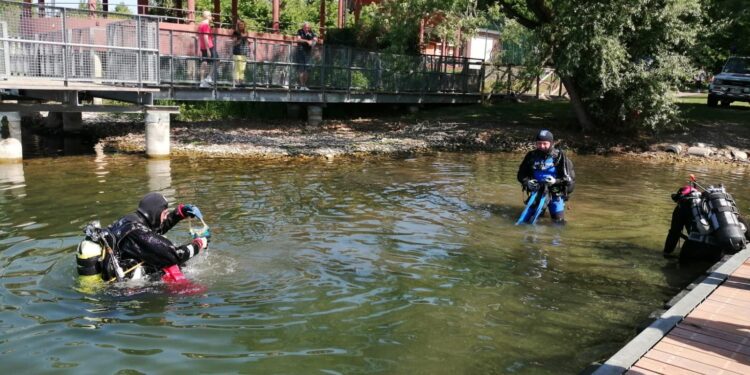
x: 537, y: 165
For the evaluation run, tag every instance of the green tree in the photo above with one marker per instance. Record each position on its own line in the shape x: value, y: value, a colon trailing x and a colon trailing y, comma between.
x: 122, y: 8
x: 618, y: 59
x: 725, y: 31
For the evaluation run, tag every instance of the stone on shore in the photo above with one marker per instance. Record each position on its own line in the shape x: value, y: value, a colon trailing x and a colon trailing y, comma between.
x: 699, y: 151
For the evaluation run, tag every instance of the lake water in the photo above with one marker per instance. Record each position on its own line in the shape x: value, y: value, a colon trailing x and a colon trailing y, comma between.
x: 343, y: 267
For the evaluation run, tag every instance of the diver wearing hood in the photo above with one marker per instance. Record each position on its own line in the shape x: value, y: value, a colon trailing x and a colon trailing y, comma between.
x: 139, y: 237
x: 548, y: 165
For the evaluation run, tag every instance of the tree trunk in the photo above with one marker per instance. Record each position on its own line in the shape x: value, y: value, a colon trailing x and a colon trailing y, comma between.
x: 584, y: 120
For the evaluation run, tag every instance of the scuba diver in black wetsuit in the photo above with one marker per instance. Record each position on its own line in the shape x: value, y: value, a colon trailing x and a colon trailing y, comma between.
x: 548, y: 165
x: 712, y: 221
x: 135, y: 244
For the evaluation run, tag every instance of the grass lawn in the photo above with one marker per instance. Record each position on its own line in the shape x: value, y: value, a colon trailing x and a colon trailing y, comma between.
x: 695, y: 111
x: 534, y: 113
x: 711, y: 125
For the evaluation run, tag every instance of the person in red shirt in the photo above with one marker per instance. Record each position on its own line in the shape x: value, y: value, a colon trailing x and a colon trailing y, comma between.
x: 208, y: 50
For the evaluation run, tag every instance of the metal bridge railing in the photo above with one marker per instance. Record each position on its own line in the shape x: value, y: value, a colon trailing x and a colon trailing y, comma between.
x: 52, y: 43
x: 277, y: 63
x: 77, y: 45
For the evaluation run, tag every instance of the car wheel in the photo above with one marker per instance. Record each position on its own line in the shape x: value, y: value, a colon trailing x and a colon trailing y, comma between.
x: 712, y: 101
x: 725, y: 103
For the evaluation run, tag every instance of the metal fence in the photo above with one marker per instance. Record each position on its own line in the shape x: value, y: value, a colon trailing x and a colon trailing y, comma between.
x: 66, y: 44
x: 77, y: 45
x: 280, y: 64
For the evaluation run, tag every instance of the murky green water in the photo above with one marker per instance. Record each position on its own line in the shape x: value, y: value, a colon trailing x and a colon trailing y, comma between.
x: 389, y: 266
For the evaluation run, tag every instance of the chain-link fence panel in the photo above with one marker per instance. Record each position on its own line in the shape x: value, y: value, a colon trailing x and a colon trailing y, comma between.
x: 79, y: 45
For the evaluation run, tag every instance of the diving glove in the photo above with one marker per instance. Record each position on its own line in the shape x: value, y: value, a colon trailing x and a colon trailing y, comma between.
x: 531, y: 185
x: 192, y: 211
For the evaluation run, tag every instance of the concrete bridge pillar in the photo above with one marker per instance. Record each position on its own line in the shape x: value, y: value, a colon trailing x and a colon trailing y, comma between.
x: 314, y: 115
x: 293, y: 110
x: 157, y: 133
x: 14, y: 124
x: 54, y: 120
x: 72, y: 122
x: 10, y: 139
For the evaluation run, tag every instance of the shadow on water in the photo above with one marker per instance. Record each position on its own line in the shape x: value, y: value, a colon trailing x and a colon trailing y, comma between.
x: 38, y: 145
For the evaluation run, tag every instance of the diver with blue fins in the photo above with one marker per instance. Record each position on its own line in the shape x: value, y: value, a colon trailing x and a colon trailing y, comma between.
x: 548, y: 178
x: 134, y: 246
x: 711, y: 220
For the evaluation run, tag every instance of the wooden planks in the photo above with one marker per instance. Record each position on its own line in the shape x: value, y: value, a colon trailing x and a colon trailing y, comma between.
x: 713, y: 339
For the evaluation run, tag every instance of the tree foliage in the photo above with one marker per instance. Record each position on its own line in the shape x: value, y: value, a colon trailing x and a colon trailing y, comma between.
x: 618, y: 59
x: 725, y: 30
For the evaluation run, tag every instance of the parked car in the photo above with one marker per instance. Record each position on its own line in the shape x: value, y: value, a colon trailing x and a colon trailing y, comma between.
x: 732, y: 84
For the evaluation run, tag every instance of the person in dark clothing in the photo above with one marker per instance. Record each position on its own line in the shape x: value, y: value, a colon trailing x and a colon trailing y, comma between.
x: 303, y: 57
x: 548, y: 166
x: 699, y: 245
x: 139, y: 238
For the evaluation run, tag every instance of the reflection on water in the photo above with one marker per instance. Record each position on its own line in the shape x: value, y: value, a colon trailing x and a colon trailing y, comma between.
x: 12, y: 179
x: 160, y: 177
x: 394, y: 266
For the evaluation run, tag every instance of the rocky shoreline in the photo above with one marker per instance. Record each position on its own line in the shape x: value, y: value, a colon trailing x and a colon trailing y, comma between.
x: 367, y: 137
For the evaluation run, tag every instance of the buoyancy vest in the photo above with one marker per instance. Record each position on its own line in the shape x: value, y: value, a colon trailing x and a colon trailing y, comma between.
x: 544, y: 167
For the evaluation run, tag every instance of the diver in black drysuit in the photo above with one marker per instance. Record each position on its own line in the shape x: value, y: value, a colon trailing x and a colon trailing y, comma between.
x: 139, y: 237
x: 695, y: 248
x: 548, y: 162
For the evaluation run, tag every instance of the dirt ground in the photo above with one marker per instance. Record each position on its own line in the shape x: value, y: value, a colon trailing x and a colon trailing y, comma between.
x: 723, y: 137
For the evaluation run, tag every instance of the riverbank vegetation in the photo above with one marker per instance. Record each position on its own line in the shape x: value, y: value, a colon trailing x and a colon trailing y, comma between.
x: 620, y: 61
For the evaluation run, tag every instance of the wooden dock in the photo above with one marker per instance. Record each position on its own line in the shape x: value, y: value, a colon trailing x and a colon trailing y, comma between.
x: 706, y: 332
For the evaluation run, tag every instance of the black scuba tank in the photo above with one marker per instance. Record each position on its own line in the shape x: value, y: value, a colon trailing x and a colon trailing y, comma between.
x: 700, y: 224
x: 723, y: 216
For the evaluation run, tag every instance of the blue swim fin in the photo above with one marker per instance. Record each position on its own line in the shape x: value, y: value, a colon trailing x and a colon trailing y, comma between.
x: 526, y: 209
x: 539, y: 208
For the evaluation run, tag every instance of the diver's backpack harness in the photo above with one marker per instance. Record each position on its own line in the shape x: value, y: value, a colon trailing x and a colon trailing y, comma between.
x: 716, y: 217
x: 97, y: 254
x: 723, y: 216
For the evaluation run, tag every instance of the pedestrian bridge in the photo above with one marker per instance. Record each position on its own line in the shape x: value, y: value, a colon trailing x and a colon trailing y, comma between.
x: 47, y: 51
x: 61, y: 60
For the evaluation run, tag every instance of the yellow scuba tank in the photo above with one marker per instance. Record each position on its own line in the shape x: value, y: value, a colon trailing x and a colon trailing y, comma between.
x: 89, y: 258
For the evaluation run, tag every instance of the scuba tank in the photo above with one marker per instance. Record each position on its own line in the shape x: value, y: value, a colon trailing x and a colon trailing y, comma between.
x: 697, y: 209
x: 723, y: 216
x: 90, y: 256
x: 95, y: 258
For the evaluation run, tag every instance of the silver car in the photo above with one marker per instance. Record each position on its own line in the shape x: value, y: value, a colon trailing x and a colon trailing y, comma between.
x: 732, y: 84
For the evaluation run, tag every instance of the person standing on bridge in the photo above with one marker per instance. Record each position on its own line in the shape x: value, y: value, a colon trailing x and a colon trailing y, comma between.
x: 547, y: 167
x: 239, y: 52
x: 306, y: 40
x: 208, y: 50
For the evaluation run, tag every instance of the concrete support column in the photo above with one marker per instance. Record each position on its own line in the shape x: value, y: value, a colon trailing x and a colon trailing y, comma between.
x: 10, y: 147
x: 14, y: 124
x: 157, y: 134
x: 72, y: 122
x: 54, y: 120
x: 293, y: 110
x: 314, y: 115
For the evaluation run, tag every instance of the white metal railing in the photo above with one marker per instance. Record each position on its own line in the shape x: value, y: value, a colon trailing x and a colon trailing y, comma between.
x: 77, y: 45
x: 67, y: 44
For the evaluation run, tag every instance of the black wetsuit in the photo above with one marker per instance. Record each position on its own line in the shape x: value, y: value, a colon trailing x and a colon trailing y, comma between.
x: 691, y: 250
x: 139, y: 237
